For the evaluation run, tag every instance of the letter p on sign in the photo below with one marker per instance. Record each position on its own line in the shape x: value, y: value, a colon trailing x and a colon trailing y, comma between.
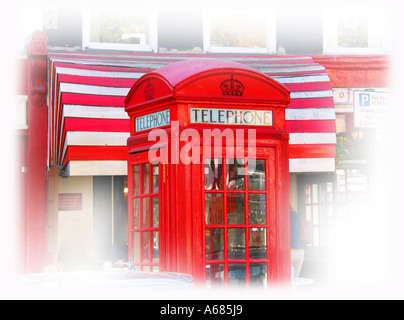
x: 364, y: 99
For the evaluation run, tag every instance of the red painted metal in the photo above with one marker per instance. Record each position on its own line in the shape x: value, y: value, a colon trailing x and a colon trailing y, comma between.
x: 182, y: 227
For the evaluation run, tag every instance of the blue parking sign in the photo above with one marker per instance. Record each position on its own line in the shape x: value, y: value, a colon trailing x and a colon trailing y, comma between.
x: 364, y: 99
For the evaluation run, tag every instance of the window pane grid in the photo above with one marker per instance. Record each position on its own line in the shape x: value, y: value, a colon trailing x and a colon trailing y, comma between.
x: 240, y: 244
x: 319, y: 211
x: 145, y: 201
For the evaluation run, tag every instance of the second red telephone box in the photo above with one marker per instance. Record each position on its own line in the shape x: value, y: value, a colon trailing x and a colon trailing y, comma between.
x: 208, y: 174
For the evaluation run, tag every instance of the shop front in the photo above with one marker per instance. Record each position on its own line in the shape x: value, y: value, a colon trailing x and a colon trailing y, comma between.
x: 208, y: 174
x: 88, y: 174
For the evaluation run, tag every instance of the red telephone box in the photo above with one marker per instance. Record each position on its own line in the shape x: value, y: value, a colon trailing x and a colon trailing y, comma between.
x: 209, y: 174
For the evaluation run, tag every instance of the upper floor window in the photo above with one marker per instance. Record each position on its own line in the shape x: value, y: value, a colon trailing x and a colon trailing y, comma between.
x: 239, y: 32
x: 353, y: 31
x: 357, y: 32
x: 110, y: 27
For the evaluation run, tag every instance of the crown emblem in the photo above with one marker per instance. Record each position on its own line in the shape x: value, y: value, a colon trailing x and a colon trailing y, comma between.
x: 149, y: 92
x: 232, y: 87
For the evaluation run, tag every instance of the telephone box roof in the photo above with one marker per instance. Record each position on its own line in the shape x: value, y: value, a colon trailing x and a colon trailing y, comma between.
x: 179, y: 71
x: 197, y: 77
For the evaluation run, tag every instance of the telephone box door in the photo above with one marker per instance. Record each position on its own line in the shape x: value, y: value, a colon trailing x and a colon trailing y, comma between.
x: 240, y: 225
x: 146, y: 203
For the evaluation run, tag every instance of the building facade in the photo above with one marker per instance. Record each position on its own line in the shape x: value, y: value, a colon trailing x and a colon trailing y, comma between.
x: 74, y: 131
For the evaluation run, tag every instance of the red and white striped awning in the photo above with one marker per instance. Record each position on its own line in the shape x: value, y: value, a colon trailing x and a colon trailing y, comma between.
x: 88, y: 126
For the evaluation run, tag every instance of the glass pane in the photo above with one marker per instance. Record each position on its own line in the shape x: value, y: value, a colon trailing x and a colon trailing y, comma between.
x: 145, y: 247
x: 330, y: 192
x: 214, y: 211
x: 111, y: 25
x: 256, y: 174
x: 315, y: 216
x: 235, y: 209
x: 236, y: 243
x: 316, y: 236
x: 156, y: 246
x: 155, y: 186
x: 145, y: 213
x: 323, y: 192
x: 258, y: 243
x: 258, y: 274
x: 136, y: 180
x: 353, y: 30
x: 236, y: 274
x: 215, y: 274
x: 214, y: 244
x: 308, y: 194
x: 155, y: 201
x: 136, y: 213
x: 136, y: 247
x: 257, y: 208
x: 145, y: 178
x: 235, y: 175
x: 329, y: 210
x: 213, y: 174
x: 341, y: 180
x: 308, y: 213
x: 315, y: 193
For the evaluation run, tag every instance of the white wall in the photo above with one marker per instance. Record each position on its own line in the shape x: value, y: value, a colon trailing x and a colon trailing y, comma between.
x: 75, y: 228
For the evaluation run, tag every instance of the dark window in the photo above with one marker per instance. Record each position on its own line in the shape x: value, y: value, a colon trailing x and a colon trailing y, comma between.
x: 120, y: 218
x: 110, y: 222
x: 102, y: 218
